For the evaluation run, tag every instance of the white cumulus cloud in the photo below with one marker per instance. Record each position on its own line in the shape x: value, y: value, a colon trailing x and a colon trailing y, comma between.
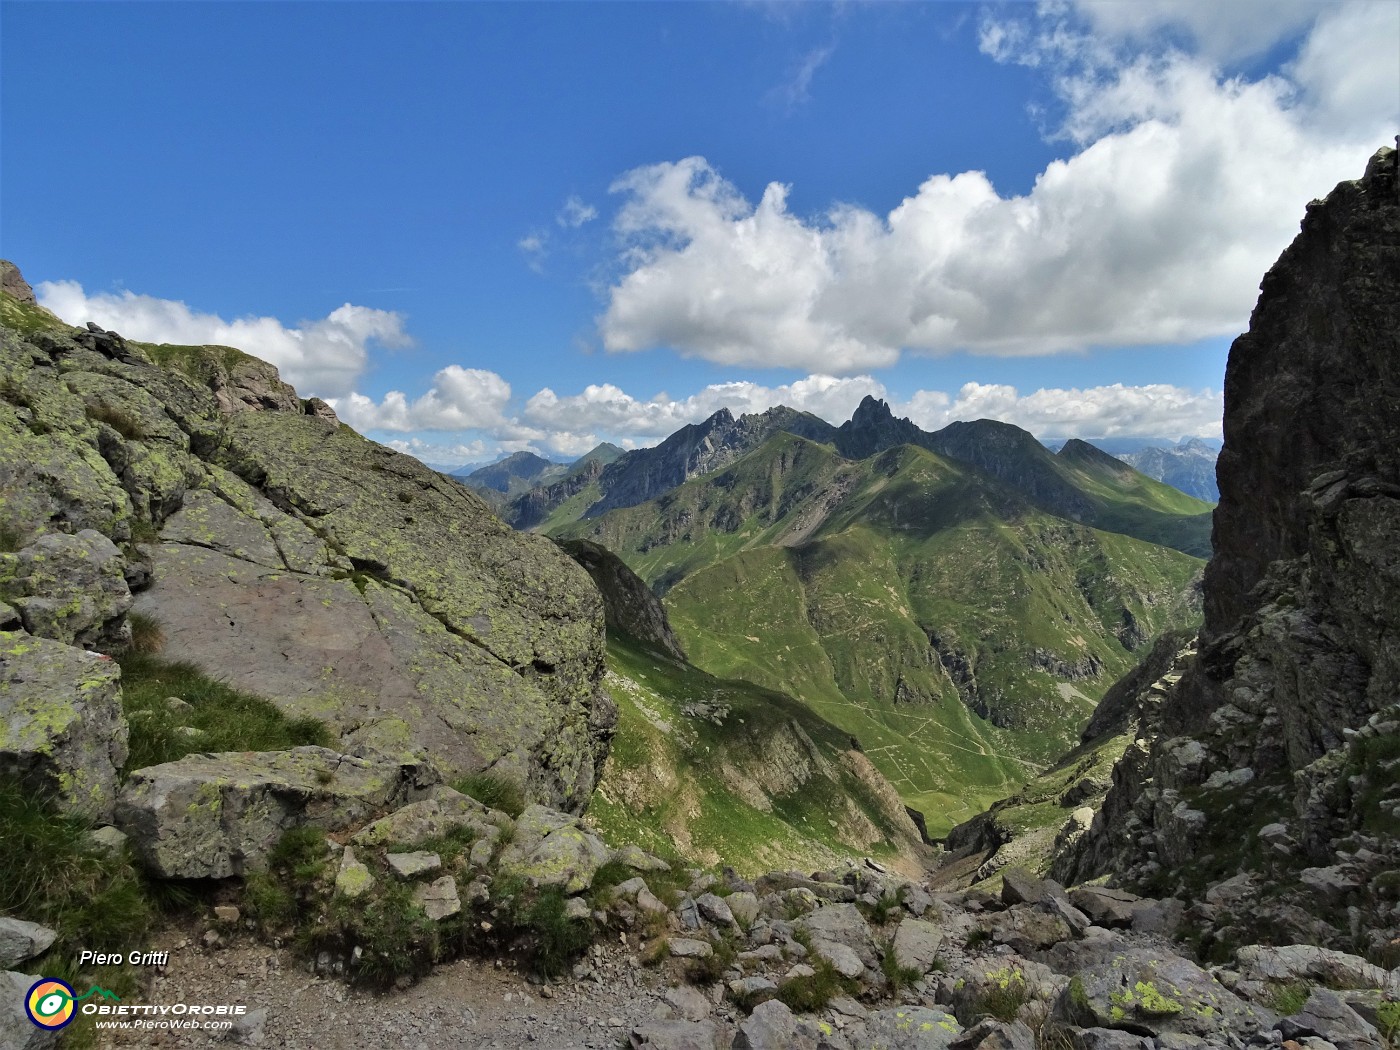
x: 1183, y: 187
x: 459, y: 399
x: 322, y: 358
x: 475, y: 406
x: 1152, y: 410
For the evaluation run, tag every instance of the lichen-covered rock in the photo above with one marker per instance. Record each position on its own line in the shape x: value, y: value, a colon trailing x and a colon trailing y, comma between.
x: 1140, y: 990
x: 62, y: 732
x: 216, y: 816
x: 353, y: 878
x: 909, y: 1028
x: 441, y: 813
x: 69, y: 588
x: 404, y: 614
x: 553, y: 849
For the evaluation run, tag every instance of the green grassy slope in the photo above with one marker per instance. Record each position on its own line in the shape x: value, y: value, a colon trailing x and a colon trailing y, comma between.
x: 713, y: 770
x: 961, y: 634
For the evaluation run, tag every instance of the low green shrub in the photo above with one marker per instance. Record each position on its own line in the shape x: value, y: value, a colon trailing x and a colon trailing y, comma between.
x: 553, y: 940
x: 1388, y: 1021
x: 286, y: 894
x: 711, y: 968
x: 395, y: 939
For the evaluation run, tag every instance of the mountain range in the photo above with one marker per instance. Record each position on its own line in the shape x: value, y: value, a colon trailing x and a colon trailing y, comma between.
x: 957, y: 601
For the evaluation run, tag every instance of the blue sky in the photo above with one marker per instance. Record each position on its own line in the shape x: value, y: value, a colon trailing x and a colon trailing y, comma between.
x: 482, y: 227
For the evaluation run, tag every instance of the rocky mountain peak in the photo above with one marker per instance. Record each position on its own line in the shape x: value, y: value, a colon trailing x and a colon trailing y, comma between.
x: 871, y: 412
x: 12, y: 282
x: 1077, y: 451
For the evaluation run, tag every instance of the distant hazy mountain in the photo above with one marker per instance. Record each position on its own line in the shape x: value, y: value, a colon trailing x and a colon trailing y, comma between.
x: 1189, y: 466
x: 525, y: 472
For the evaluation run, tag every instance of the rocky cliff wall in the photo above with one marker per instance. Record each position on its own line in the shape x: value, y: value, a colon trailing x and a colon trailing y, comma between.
x: 281, y: 551
x: 1271, y: 795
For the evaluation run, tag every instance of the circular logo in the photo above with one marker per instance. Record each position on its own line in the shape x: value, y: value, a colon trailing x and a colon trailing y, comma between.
x: 49, y: 1003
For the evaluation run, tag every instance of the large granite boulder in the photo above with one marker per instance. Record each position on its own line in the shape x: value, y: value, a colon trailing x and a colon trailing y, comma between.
x: 1144, y: 991
x: 62, y: 732
x: 69, y: 588
x: 284, y: 553
x: 553, y: 849
x: 216, y: 816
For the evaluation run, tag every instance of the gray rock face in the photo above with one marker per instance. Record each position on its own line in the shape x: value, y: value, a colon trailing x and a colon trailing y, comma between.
x: 69, y: 588
x: 771, y: 1026
x: 20, y: 940
x: 1139, y: 990
x: 1296, y: 962
x: 62, y: 731
x: 405, y: 614
x: 1293, y: 694
x: 216, y: 816
x: 12, y: 282
x: 676, y: 1035
x: 916, y: 944
x: 628, y: 603
x: 439, y: 899
x: 17, y: 1032
x: 995, y: 1035
x: 1327, y: 1016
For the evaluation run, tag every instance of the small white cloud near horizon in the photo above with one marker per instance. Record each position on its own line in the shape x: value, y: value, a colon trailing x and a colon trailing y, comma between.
x: 321, y: 358
x: 1181, y: 188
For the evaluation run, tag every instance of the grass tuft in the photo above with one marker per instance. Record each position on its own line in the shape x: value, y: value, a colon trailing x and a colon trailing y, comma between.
x: 810, y: 994
x: 146, y: 634
x: 227, y: 719
x: 899, y: 975
x: 494, y: 791
x: 117, y: 419
x: 1286, y: 998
